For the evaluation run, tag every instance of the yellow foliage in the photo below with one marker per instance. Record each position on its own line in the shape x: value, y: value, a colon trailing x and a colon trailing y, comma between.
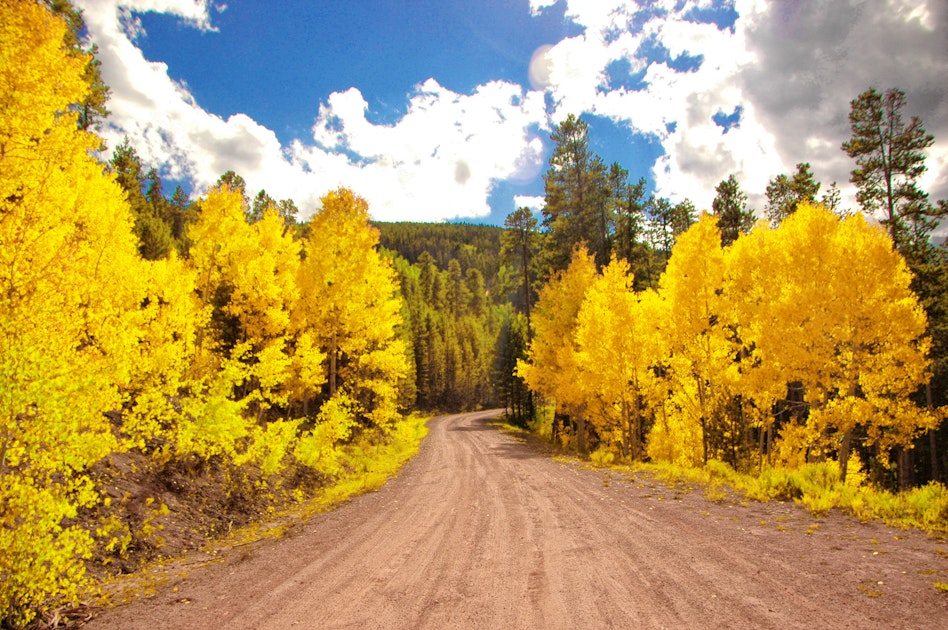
x: 307, y: 367
x: 247, y: 277
x: 793, y: 443
x: 317, y: 448
x: 699, y: 364
x: 551, y: 368
x: 270, y: 445
x: 212, y: 422
x: 164, y: 363
x: 264, y: 279
x: 101, y: 351
x: 220, y: 236
x: 115, y: 535
x: 619, y: 342
x: 675, y: 438
x: 820, y: 303
x: 826, y: 302
x: 67, y: 345
x: 350, y: 308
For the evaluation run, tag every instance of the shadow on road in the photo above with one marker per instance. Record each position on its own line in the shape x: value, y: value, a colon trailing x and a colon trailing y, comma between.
x: 475, y: 427
x: 514, y: 451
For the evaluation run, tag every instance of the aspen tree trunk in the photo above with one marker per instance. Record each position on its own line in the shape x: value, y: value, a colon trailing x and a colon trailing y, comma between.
x: 760, y: 449
x: 3, y: 451
x: 581, y: 429
x: 332, y: 365
x: 526, y: 290
x: 636, y: 430
x: 905, y: 468
x: 738, y: 443
x: 704, y: 421
x: 844, y: 448
x: 933, y: 445
x: 932, y: 439
x: 846, y: 444
x: 761, y: 437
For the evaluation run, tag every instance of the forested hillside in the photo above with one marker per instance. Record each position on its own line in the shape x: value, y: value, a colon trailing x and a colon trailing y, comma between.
x: 237, y: 337
x: 473, y: 246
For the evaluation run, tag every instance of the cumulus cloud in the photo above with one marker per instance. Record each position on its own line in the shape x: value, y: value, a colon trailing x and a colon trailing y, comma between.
x: 158, y: 115
x: 752, y: 98
x: 812, y: 59
x: 440, y: 161
x: 535, y: 203
x: 682, y: 73
x: 536, y: 6
x: 788, y: 70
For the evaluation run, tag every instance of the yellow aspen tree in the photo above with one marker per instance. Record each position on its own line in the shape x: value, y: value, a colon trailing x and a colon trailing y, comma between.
x: 166, y: 356
x: 700, y: 365
x: 212, y: 418
x: 552, y: 368
x: 69, y: 297
x: 307, y: 373
x: 760, y: 299
x: 264, y: 294
x: 832, y: 309
x: 219, y: 237
x: 880, y: 351
x: 620, y: 345
x: 264, y: 278
x: 246, y: 276
x: 752, y: 264
x: 350, y: 306
x: 316, y: 448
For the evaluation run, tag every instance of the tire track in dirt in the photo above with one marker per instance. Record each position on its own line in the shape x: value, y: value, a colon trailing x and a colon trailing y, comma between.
x: 481, y: 531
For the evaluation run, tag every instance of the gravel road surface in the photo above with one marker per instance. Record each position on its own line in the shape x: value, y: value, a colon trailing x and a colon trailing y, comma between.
x: 482, y: 531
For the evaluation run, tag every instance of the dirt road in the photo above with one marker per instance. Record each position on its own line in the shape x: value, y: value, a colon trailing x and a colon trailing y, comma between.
x: 480, y: 531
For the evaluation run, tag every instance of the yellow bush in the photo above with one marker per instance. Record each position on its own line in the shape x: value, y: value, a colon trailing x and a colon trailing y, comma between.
x: 602, y: 458
x: 270, y: 445
x: 317, y: 448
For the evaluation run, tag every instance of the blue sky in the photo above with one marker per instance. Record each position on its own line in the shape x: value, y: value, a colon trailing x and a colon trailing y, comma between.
x: 442, y: 109
x: 277, y: 61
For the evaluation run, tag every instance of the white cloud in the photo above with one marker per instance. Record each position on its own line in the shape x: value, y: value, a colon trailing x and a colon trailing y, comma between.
x: 526, y: 201
x: 537, y: 6
x: 674, y: 106
x: 812, y: 59
x: 439, y: 161
x: 194, y: 12
x: 790, y: 68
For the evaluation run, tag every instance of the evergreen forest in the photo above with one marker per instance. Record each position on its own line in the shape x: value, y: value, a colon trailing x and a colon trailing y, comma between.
x: 237, y: 335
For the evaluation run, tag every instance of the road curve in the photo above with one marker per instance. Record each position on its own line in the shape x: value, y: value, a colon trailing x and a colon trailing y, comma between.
x: 481, y: 531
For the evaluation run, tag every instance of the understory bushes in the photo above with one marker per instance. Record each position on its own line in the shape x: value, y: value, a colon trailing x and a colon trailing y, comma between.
x: 819, y: 488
